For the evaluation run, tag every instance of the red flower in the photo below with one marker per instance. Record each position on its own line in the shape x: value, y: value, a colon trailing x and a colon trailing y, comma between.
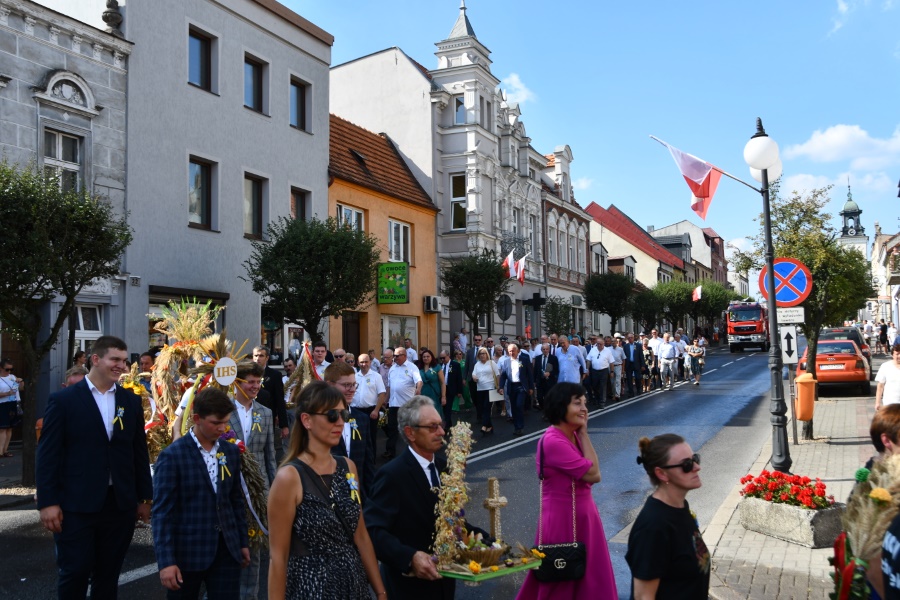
x: 768, y: 496
x: 784, y: 497
x: 242, y: 446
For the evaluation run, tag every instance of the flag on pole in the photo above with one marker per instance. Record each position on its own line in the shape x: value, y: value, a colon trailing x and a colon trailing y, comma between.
x: 702, y: 177
x: 509, y: 263
x: 520, y: 269
x: 698, y: 291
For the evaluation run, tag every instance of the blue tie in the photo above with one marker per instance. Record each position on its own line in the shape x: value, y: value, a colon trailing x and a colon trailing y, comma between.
x: 435, y: 481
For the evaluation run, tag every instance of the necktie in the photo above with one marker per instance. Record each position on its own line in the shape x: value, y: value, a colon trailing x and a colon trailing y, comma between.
x: 435, y: 482
x: 544, y: 365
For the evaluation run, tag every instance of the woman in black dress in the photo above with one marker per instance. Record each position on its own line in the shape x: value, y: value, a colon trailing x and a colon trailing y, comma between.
x: 318, y: 544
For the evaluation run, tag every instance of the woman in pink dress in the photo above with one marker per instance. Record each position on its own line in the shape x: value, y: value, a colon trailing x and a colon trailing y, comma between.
x: 569, y: 455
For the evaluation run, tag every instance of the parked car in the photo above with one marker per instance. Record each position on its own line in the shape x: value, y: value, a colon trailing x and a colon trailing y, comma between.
x: 848, y: 333
x: 839, y: 362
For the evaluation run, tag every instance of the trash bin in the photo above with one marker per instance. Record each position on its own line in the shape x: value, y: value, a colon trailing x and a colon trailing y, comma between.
x: 806, y: 397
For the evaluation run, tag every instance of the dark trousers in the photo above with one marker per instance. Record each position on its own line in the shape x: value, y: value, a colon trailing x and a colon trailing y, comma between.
x: 599, y: 379
x: 221, y: 578
x: 483, y: 401
x: 92, y: 546
x: 517, y: 396
x: 542, y: 387
x: 632, y: 374
x: 473, y: 394
x: 392, y: 432
x: 681, y: 367
x: 367, y: 428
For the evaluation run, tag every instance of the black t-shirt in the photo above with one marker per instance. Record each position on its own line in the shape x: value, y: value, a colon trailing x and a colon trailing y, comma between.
x: 665, y: 544
x: 890, y: 561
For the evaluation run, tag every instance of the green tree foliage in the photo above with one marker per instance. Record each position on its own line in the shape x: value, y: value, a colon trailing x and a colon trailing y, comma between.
x: 677, y: 300
x: 473, y: 283
x: 713, y: 301
x: 557, y: 313
x: 609, y: 293
x: 308, y: 271
x: 53, y: 244
x: 646, y: 308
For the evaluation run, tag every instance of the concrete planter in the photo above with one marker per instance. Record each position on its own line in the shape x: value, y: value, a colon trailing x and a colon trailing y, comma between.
x: 810, y: 528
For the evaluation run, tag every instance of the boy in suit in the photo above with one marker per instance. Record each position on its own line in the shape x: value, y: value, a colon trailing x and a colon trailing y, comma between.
x: 93, y: 470
x: 199, y: 515
x: 354, y: 442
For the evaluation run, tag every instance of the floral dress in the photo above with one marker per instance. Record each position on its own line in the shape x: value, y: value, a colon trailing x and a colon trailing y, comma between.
x: 324, y: 563
x: 648, y: 364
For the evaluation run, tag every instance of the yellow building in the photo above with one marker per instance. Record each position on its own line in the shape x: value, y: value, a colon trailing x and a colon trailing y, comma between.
x: 371, y: 187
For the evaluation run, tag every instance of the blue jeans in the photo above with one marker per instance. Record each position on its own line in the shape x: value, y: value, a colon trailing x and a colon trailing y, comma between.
x: 516, y: 394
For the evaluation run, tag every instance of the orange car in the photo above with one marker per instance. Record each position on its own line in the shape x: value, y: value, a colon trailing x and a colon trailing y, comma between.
x: 839, y: 362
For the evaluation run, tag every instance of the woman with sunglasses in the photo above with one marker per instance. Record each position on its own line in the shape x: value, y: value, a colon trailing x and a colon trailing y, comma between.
x: 666, y: 552
x: 9, y: 398
x: 319, y: 546
x: 485, y: 374
x: 433, y: 384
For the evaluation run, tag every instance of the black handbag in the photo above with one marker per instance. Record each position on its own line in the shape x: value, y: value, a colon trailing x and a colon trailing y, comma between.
x: 561, y: 562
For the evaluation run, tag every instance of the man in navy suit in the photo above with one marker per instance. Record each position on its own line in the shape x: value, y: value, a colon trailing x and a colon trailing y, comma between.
x: 354, y: 442
x: 454, y: 382
x: 546, y: 370
x: 517, y: 381
x: 634, y: 356
x: 199, y: 514
x: 471, y: 359
x: 93, y: 474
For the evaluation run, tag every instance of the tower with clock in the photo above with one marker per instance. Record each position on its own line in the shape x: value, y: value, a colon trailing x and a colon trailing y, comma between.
x: 853, y: 234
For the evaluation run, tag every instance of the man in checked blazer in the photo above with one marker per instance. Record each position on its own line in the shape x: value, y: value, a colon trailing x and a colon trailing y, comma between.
x: 252, y: 423
x: 199, y: 515
x: 93, y: 474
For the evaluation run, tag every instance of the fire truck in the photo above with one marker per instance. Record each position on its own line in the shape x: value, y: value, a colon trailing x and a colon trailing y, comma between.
x: 747, y: 325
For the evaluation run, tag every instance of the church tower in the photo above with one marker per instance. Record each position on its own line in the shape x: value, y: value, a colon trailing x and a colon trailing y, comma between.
x: 853, y: 233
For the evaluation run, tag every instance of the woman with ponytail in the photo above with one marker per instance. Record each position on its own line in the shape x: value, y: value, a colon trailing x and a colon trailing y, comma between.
x: 666, y: 552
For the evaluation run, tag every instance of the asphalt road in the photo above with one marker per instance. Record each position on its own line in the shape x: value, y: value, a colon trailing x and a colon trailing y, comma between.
x: 725, y: 419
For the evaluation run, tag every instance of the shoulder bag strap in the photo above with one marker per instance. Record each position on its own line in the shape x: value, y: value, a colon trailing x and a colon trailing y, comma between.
x: 541, y: 502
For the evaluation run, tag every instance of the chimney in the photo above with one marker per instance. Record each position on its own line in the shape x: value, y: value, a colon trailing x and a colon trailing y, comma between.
x: 650, y: 228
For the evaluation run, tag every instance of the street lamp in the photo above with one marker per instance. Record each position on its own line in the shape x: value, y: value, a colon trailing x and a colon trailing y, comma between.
x: 761, y: 153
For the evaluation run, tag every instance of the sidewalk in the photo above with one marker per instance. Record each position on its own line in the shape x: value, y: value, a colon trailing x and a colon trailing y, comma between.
x: 11, y: 494
x: 746, y: 564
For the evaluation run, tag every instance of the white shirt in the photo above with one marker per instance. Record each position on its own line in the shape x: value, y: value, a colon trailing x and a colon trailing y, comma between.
x: 106, y: 404
x: 463, y: 341
x: 889, y: 375
x: 412, y: 355
x: 345, y: 434
x: 9, y: 384
x: 514, y: 366
x: 368, y: 387
x: 375, y: 364
x: 654, y: 344
x: 320, y: 369
x: 619, y: 354
x: 185, y: 398
x: 424, y: 463
x: 485, y: 373
x: 667, y: 351
x: 403, y: 380
x: 679, y: 347
x: 892, y: 333
x: 212, y: 462
x: 246, y: 417
x: 600, y: 359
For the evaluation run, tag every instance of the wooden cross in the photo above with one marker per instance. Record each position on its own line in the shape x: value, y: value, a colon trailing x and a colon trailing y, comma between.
x: 493, y: 503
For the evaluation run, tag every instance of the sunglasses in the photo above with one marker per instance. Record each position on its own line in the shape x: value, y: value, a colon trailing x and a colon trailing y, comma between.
x: 334, y: 414
x: 339, y: 355
x: 687, y: 465
x: 432, y: 428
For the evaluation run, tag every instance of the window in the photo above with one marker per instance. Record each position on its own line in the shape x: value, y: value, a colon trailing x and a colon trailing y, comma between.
x: 489, y: 118
x: 253, y: 84
x: 532, y: 221
x: 551, y: 247
x: 562, y: 248
x: 398, y: 241
x: 580, y: 252
x: 200, y: 194
x: 459, y: 111
x: 485, y: 110
x: 200, y: 48
x: 299, y: 91
x: 458, y: 212
x: 63, y: 159
x: 350, y: 217
x: 516, y: 220
x: 299, y: 199
x: 572, y: 264
x: 87, y: 326
x: 253, y: 206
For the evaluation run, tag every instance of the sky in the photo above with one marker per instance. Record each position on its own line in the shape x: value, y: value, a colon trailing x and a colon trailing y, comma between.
x: 602, y: 77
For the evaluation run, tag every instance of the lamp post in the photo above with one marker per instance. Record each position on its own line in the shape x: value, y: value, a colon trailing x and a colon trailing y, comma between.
x: 761, y: 153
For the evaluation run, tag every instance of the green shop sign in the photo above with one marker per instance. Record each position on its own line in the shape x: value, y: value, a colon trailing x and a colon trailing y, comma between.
x: 393, y: 283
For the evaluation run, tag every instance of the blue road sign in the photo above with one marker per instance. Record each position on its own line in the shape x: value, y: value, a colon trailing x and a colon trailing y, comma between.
x: 793, y: 282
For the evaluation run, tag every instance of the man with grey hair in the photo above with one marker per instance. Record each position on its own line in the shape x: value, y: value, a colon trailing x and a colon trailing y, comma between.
x: 404, y: 381
x: 399, y: 512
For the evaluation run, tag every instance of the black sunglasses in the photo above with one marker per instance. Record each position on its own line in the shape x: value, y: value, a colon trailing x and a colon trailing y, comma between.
x: 432, y: 428
x: 334, y: 414
x: 687, y: 465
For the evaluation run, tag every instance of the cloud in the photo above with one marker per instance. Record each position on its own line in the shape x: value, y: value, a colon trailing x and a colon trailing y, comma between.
x: 869, y: 183
x: 582, y: 183
x: 849, y: 142
x: 516, y: 91
x: 742, y: 244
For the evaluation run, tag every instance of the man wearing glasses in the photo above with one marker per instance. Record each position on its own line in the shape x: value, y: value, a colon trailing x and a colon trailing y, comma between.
x: 404, y: 382
x: 369, y: 398
x: 354, y: 442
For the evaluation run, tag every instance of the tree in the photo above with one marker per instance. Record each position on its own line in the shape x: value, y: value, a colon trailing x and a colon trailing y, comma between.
x: 308, y: 271
x: 714, y: 299
x: 841, y: 277
x: 557, y: 314
x: 609, y: 293
x: 53, y: 244
x: 473, y: 283
x: 677, y: 300
x: 646, y: 308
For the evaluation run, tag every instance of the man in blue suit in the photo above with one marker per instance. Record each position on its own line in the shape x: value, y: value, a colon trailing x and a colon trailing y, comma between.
x: 93, y: 474
x: 199, y: 515
x: 517, y: 381
x: 354, y: 442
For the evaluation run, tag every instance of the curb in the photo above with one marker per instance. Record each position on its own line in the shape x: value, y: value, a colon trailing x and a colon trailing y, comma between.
x: 16, y: 501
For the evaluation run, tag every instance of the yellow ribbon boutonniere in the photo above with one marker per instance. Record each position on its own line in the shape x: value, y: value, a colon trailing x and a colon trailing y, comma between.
x: 354, y: 487
x: 120, y: 412
x: 354, y: 434
x: 223, y: 465
x: 256, y: 421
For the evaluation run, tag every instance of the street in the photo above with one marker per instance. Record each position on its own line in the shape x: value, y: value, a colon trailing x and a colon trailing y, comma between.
x: 725, y: 419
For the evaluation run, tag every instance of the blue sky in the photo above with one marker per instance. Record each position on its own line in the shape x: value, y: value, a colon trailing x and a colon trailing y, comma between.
x: 603, y: 76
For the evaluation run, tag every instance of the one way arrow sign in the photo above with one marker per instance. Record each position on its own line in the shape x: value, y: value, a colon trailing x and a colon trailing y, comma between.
x: 788, y: 335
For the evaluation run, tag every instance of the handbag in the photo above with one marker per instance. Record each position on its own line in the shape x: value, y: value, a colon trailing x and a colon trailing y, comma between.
x: 561, y: 562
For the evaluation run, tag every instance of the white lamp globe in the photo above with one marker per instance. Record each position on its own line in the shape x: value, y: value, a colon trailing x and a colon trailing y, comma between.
x: 774, y: 172
x: 761, y: 152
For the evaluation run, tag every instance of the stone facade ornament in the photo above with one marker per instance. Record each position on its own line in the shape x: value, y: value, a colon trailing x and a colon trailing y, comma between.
x: 98, y: 286
x: 76, y: 43
x: 98, y: 51
x: 113, y: 18
x: 29, y: 25
x: 4, y: 15
x: 65, y: 90
x: 54, y: 34
x: 118, y: 59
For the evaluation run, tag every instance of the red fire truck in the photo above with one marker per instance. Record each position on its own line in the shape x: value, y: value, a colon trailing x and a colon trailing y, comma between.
x: 747, y: 326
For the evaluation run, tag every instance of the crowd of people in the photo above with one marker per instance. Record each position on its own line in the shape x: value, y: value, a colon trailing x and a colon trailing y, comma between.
x: 333, y: 517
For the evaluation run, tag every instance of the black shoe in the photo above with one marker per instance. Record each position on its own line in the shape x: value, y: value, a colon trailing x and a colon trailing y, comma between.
x: 518, y: 433
x: 487, y: 431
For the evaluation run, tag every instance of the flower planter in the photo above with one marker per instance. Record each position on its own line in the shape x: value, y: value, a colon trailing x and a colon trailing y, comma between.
x: 810, y: 528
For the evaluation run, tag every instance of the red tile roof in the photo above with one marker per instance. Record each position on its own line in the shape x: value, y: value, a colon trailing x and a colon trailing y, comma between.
x: 371, y: 160
x: 711, y: 232
x: 620, y: 224
x: 551, y: 159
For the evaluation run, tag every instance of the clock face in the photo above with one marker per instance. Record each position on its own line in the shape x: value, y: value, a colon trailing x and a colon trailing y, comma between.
x: 851, y: 231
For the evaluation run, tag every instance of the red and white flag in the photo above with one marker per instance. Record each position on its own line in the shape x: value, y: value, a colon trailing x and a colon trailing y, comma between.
x: 520, y: 268
x: 509, y: 263
x: 698, y: 291
x: 702, y: 177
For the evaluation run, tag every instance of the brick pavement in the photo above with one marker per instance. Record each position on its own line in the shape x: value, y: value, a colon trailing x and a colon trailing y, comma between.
x: 747, y: 564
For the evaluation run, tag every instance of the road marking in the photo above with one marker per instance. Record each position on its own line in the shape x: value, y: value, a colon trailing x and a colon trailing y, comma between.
x: 728, y: 363
x: 710, y: 371
x: 136, y: 574
x: 741, y: 358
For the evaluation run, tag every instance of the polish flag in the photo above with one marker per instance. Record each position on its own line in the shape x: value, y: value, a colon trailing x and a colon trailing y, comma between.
x: 702, y: 177
x: 520, y: 268
x: 698, y: 291
x: 509, y: 263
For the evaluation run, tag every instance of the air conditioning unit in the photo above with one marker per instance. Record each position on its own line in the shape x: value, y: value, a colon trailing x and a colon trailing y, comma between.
x: 432, y: 304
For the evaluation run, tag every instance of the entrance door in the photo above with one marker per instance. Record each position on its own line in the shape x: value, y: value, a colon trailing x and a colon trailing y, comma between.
x: 350, y: 337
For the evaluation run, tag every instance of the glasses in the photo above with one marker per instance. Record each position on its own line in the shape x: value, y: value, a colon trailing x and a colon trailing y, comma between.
x: 687, y: 465
x: 445, y: 358
x: 339, y: 355
x: 489, y: 342
x: 349, y: 386
x: 432, y: 428
x: 334, y: 414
